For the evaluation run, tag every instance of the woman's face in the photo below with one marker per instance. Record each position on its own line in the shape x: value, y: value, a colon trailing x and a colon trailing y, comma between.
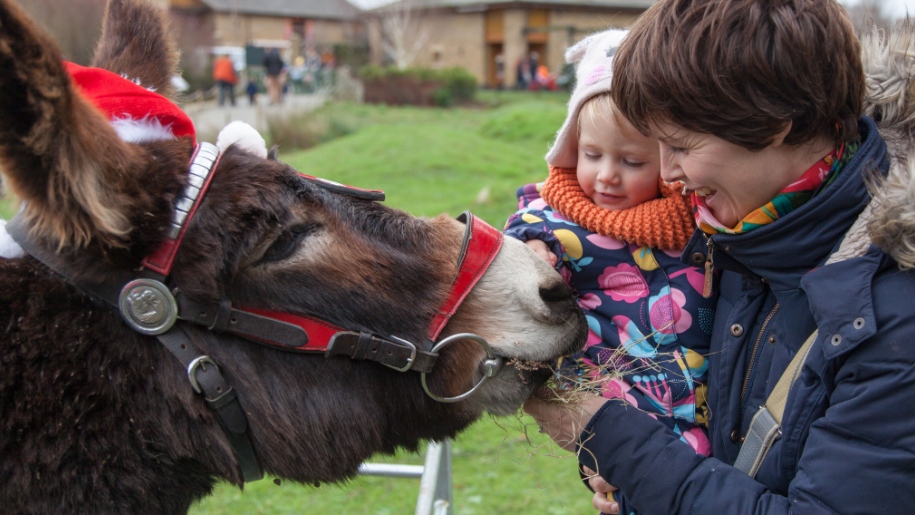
x: 733, y: 180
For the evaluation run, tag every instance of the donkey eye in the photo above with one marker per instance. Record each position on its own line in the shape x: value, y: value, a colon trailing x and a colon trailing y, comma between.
x: 287, y: 242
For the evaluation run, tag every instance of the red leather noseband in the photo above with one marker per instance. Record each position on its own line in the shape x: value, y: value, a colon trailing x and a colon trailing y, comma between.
x: 481, y: 244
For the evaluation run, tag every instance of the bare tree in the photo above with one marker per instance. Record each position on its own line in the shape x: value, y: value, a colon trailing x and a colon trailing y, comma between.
x: 869, y: 15
x: 75, y: 24
x: 403, y: 32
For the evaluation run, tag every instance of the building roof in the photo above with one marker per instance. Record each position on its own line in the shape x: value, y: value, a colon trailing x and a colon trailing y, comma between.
x: 323, y: 9
x: 480, y: 4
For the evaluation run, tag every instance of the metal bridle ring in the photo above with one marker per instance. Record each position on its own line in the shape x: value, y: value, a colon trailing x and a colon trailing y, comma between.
x: 491, y: 366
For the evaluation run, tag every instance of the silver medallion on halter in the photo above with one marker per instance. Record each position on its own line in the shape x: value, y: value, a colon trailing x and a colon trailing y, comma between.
x: 148, y: 306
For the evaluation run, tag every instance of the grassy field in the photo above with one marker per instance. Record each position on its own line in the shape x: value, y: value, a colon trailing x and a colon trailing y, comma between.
x: 432, y: 161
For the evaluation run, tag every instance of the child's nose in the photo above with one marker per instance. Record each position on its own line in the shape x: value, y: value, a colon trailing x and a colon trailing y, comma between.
x: 609, y: 174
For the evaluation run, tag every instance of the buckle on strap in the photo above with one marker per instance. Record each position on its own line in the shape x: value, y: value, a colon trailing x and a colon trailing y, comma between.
x: 392, y: 352
x: 410, y: 360
x: 199, y: 362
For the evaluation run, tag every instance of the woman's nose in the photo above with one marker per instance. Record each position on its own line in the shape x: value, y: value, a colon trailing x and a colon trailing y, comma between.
x: 670, y: 171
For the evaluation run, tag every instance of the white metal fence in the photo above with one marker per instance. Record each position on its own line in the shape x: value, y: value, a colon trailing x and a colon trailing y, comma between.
x: 434, y: 478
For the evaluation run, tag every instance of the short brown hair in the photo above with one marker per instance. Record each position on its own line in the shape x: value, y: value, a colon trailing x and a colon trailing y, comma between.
x: 741, y: 69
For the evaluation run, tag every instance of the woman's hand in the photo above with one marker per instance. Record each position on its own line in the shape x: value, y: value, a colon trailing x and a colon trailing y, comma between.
x: 602, y: 490
x: 564, y: 420
x: 542, y: 250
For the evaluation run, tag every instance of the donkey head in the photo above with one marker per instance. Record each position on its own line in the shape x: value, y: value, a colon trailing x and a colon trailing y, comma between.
x: 99, y: 192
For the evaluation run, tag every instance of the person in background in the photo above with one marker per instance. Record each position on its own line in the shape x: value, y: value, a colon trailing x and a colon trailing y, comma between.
x: 523, y: 73
x: 226, y: 78
x: 297, y: 75
x: 758, y: 105
x: 251, y: 90
x: 273, y: 71
x: 616, y: 233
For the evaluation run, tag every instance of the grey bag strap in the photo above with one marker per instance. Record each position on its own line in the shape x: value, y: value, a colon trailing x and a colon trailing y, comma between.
x: 766, y: 426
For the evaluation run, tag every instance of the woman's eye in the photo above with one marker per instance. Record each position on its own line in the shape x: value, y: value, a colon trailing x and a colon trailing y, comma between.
x: 675, y: 150
x: 286, y: 244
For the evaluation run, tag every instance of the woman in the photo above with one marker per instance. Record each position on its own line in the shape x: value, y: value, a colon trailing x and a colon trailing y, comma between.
x: 757, y: 105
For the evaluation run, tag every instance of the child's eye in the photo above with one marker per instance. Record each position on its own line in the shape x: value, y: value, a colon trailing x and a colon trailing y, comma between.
x: 632, y: 164
x: 592, y: 156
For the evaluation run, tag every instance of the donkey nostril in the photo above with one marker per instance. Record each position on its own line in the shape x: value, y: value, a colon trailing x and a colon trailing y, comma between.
x: 555, y: 292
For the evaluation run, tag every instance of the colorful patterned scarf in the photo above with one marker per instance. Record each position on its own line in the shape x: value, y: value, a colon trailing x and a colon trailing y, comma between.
x: 814, y: 180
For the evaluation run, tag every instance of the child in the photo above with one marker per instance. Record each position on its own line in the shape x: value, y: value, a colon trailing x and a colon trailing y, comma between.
x: 615, y: 231
x: 251, y: 90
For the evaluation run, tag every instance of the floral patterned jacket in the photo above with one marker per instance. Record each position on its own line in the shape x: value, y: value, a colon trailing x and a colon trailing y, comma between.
x: 649, y: 325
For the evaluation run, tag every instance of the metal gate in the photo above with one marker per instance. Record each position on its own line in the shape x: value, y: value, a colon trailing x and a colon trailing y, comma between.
x: 435, y: 478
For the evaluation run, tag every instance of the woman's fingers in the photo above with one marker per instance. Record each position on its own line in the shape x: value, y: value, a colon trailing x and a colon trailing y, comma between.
x: 605, y: 505
x: 602, y: 490
x: 598, y: 484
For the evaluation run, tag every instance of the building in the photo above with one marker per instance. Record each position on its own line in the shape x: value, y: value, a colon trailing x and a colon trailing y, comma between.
x: 476, y: 35
x: 294, y: 26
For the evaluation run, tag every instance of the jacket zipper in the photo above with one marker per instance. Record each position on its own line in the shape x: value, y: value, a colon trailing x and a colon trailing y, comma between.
x: 749, y: 372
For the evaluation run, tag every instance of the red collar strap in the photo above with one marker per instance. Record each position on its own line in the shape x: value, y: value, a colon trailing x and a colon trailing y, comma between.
x: 201, y: 172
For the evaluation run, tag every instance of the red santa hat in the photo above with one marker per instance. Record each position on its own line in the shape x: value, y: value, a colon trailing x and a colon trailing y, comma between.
x: 137, y: 113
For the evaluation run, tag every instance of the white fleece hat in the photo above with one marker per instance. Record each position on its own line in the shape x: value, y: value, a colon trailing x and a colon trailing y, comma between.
x: 593, y: 73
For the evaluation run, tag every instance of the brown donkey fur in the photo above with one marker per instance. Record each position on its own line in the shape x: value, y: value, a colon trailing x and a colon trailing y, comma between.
x: 96, y: 418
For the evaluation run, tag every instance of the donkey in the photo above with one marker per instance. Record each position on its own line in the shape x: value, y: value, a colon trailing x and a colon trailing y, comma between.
x: 167, y: 325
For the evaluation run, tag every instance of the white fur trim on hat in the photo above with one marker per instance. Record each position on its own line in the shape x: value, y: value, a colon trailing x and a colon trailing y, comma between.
x: 242, y: 136
x: 138, y: 131
x: 593, y: 75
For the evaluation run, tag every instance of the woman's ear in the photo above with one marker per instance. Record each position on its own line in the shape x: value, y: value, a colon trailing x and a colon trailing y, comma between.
x: 779, y: 138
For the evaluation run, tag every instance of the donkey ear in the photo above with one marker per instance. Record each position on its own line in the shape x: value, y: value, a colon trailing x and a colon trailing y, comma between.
x: 150, y: 58
x: 60, y: 154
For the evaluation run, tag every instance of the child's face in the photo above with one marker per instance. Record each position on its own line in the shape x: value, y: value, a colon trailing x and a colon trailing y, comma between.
x: 618, y: 167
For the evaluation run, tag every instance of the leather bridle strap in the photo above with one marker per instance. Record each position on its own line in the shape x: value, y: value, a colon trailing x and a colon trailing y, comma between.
x: 481, y: 244
x: 203, y: 373
x: 206, y: 379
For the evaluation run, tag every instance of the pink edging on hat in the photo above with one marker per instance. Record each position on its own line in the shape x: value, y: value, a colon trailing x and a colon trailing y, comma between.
x: 593, y: 74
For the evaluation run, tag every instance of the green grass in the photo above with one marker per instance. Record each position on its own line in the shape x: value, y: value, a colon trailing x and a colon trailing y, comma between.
x: 431, y: 161
x: 7, y: 209
x: 495, y: 470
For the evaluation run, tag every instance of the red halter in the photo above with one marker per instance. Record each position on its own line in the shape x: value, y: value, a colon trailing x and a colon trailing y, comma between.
x: 298, y: 332
x: 482, y: 243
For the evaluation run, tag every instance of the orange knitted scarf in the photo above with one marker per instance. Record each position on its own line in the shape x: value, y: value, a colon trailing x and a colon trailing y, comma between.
x: 663, y: 223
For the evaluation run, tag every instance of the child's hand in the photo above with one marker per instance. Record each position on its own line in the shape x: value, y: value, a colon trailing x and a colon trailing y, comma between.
x: 543, y: 251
